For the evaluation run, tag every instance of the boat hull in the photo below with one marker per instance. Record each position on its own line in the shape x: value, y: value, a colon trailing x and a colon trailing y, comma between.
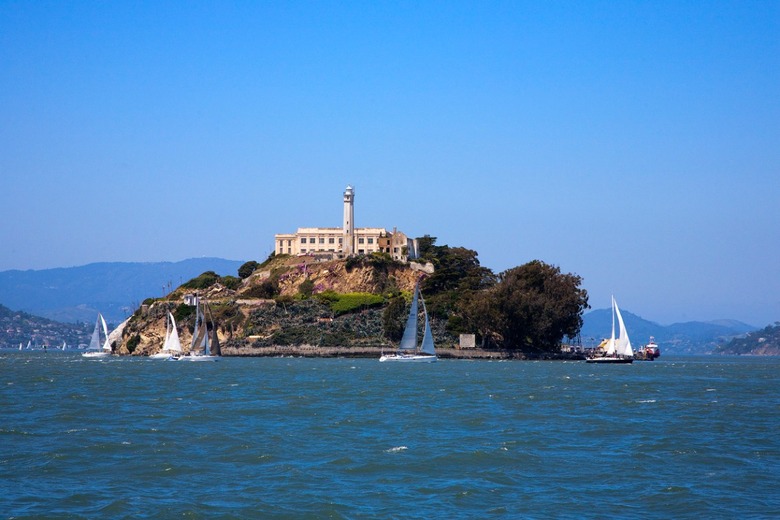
x: 197, y: 358
x: 95, y: 354
x: 610, y: 360
x: 408, y: 358
x: 160, y: 355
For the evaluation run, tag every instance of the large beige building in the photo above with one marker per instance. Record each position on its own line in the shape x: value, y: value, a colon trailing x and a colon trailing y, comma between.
x: 347, y: 240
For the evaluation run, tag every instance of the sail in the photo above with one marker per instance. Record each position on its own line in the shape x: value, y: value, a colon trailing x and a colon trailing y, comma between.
x: 94, y: 341
x: 204, y: 343
x: 427, y: 342
x: 174, y: 345
x: 409, y: 339
x: 106, y: 344
x: 622, y: 344
x: 167, y: 334
x: 215, y: 348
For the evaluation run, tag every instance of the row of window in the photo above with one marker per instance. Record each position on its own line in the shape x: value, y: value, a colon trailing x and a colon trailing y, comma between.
x: 331, y: 240
x: 313, y: 240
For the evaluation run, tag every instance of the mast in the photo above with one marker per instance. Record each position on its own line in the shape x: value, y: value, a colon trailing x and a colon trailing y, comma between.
x: 427, y: 346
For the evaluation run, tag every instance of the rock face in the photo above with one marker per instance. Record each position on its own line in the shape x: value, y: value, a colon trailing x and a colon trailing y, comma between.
x: 341, y: 276
x: 246, y: 318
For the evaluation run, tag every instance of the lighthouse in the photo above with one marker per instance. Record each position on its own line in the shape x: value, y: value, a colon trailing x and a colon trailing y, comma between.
x: 348, y: 247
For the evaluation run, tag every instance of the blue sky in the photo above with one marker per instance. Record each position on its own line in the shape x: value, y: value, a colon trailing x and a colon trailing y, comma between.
x: 636, y: 144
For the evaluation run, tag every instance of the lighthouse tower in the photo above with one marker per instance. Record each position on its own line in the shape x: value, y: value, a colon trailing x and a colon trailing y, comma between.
x: 348, y: 247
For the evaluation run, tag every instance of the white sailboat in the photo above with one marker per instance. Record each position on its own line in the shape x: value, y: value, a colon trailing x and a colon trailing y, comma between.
x: 408, y: 350
x: 615, y: 349
x: 94, y: 349
x: 202, y: 347
x: 171, y: 345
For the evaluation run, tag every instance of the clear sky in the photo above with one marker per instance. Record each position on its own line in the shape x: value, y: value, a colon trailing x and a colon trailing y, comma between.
x: 636, y: 144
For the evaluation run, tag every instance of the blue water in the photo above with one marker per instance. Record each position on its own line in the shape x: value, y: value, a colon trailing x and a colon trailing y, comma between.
x: 353, y: 438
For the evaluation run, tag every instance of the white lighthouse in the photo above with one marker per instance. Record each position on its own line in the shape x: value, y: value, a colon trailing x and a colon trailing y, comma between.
x: 348, y: 247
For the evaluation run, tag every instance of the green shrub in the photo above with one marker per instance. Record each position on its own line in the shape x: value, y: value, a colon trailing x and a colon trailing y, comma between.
x: 246, y: 270
x: 266, y: 289
x: 231, y: 282
x: 182, y: 312
x: 351, y: 302
x: 133, y: 342
x: 306, y: 288
x: 290, y: 336
x: 203, y: 281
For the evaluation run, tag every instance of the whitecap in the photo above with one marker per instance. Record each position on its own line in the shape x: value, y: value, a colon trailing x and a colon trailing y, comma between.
x: 397, y: 449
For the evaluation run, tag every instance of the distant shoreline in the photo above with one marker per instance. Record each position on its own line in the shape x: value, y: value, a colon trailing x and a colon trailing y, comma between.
x: 311, y: 351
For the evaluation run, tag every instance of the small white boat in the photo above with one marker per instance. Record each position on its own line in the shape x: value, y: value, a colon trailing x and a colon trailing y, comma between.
x: 616, y: 349
x: 202, y: 347
x: 94, y: 350
x: 407, y: 350
x: 171, y: 345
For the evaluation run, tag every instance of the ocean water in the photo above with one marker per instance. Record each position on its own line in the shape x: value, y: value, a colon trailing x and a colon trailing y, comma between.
x: 692, y: 437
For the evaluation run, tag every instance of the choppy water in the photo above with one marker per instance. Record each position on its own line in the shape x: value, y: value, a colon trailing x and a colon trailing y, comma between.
x: 353, y: 438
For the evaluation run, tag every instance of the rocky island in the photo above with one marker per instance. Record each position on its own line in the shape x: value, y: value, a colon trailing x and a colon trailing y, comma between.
x: 356, y: 306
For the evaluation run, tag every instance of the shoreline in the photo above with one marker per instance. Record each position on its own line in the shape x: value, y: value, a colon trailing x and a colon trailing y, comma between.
x: 310, y: 351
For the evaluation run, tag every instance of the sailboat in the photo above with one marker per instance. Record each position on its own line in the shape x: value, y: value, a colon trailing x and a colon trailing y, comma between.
x: 203, y: 347
x: 408, y: 350
x: 94, y: 349
x: 615, y: 349
x: 171, y: 345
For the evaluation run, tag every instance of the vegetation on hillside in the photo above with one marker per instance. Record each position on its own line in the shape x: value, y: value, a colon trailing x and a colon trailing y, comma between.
x: 760, y: 342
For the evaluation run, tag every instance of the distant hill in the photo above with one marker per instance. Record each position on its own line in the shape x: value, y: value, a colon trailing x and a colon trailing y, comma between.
x: 17, y: 327
x: 694, y: 337
x: 76, y: 294
x: 764, y: 342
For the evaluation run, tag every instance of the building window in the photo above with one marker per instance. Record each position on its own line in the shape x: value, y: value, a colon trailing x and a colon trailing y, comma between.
x: 303, y: 240
x: 331, y: 240
x: 395, y: 250
x: 303, y: 250
x: 361, y: 252
x: 370, y: 240
x: 360, y: 240
x: 322, y: 240
x: 341, y: 240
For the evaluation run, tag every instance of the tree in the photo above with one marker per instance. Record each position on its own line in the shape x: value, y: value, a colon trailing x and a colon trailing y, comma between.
x: 479, y: 314
x: 246, y: 270
x: 537, y: 305
x: 456, y: 271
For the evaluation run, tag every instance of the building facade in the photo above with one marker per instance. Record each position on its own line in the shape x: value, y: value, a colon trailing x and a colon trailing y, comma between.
x: 346, y: 240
